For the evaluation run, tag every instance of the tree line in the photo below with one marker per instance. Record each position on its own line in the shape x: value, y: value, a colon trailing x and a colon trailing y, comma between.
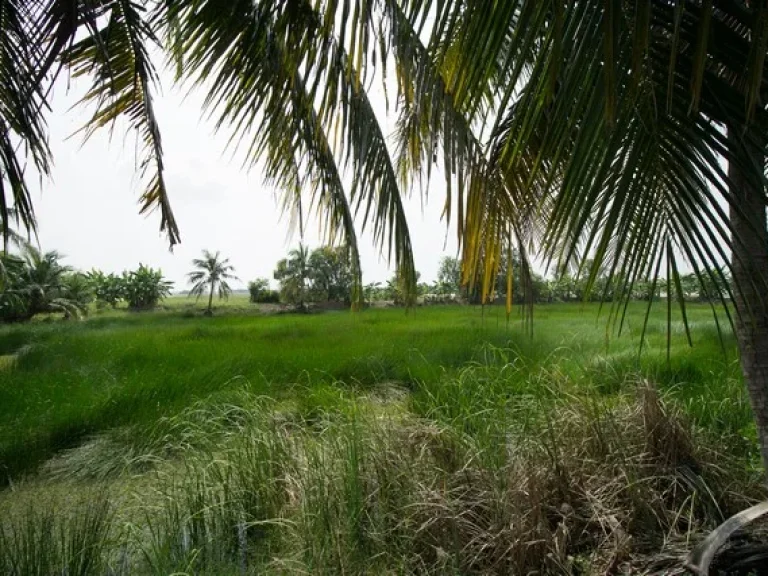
x: 35, y: 282
x: 325, y: 275
x: 570, y: 287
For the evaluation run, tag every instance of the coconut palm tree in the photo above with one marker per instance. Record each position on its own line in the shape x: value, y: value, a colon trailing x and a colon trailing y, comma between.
x: 211, y: 273
x: 580, y: 130
x: 612, y: 120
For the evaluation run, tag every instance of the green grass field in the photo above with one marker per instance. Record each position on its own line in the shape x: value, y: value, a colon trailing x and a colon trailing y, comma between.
x: 445, y: 440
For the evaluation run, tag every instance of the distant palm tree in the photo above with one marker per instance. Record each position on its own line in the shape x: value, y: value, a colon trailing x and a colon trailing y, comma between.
x: 211, y: 271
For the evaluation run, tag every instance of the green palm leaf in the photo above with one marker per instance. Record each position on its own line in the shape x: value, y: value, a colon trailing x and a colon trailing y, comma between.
x: 117, y: 58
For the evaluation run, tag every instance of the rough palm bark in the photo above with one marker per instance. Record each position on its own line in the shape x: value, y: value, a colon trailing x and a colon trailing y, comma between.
x: 750, y: 272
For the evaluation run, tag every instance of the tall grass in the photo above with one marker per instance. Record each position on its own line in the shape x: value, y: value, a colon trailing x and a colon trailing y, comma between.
x: 585, y: 484
x: 76, y: 379
x: 73, y: 380
x: 44, y: 539
x: 368, y: 444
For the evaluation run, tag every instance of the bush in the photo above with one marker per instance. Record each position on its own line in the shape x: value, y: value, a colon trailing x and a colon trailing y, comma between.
x: 108, y: 289
x: 260, y: 292
x: 268, y: 297
x: 472, y: 488
x: 145, y: 287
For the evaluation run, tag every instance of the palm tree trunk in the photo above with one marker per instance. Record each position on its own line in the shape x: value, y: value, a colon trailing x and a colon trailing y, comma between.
x: 209, y: 312
x: 750, y: 274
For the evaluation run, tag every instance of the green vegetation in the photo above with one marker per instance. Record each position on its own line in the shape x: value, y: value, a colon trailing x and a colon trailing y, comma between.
x: 618, y: 136
x: 36, y: 283
x: 565, y: 287
x: 324, y: 274
x: 260, y: 293
x: 442, y: 440
x: 145, y: 287
x: 330, y: 275
x: 293, y: 275
x: 211, y: 272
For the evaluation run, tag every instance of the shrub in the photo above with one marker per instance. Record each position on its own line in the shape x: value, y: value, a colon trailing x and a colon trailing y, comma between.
x: 260, y: 292
x: 269, y: 297
x: 108, y: 289
x: 145, y: 287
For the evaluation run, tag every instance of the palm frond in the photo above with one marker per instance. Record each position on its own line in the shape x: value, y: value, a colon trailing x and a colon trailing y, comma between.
x: 23, y: 133
x: 259, y: 90
x: 375, y: 189
x: 641, y: 186
x: 198, y: 289
x: 197, y: 276
x: 117, y: 58
x: 224, y: 290
x: 432, y: 116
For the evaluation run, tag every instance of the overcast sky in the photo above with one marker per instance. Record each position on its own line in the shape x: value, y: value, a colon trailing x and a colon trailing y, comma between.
x: 88, y: 211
